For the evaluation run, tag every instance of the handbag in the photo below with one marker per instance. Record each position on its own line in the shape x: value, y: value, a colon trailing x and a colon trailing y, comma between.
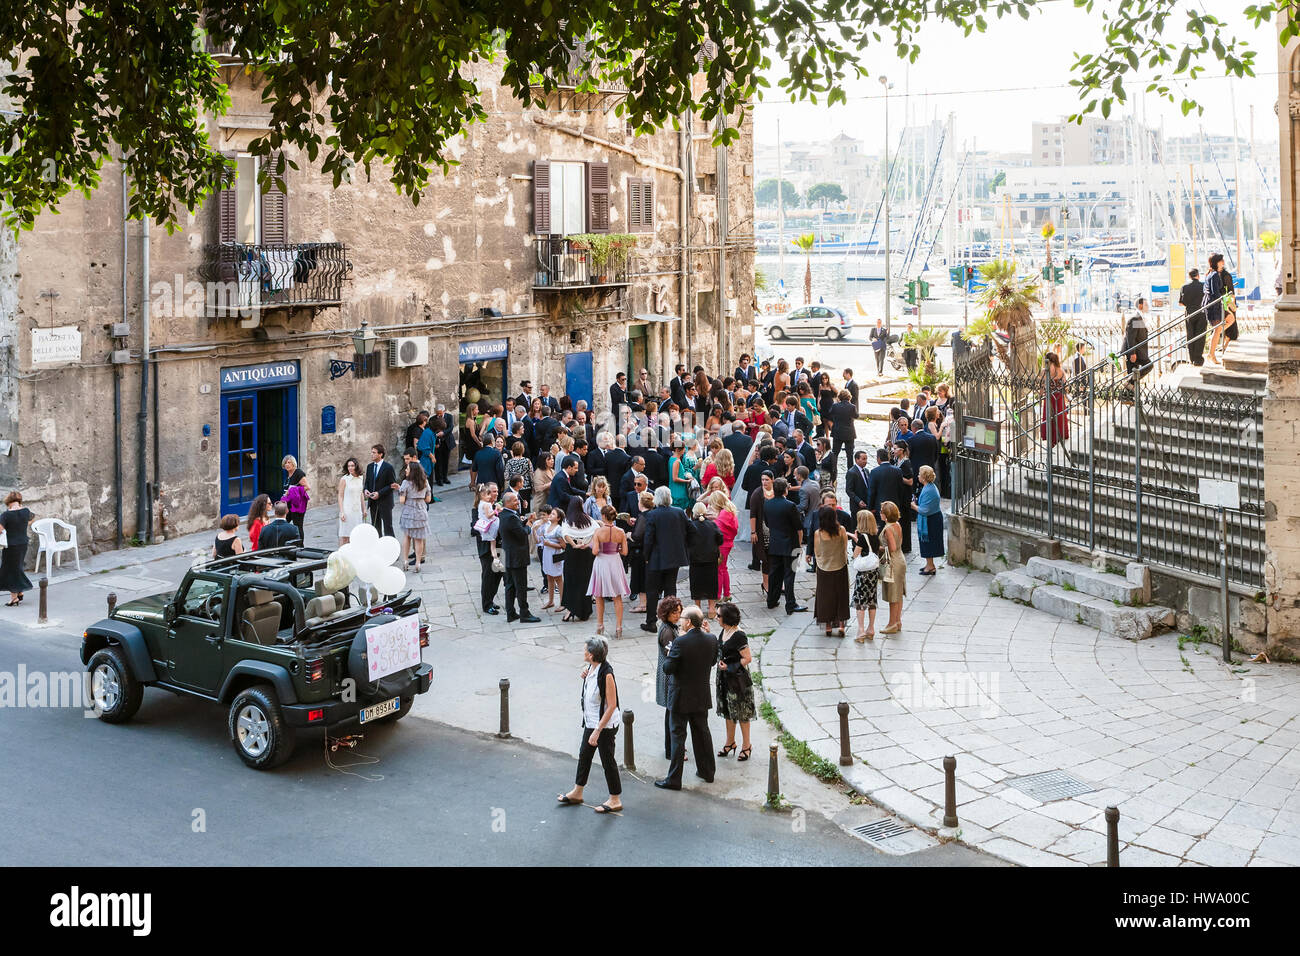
x: 865, y: 563
x: 497, y: 565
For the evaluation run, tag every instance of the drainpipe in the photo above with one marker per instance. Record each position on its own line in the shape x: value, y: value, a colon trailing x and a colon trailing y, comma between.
x: 117, y: 376
x: 142, y: 417
x: 723, y: 210
x: 684, y: 146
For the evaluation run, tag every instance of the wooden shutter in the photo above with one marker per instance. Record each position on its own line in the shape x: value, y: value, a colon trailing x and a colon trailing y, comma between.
x: 542, y: 197
x: 275, y: 204
x: 633, y: 206
x: 647, y: 205
x: 597, y: 197
x: 227, y: 207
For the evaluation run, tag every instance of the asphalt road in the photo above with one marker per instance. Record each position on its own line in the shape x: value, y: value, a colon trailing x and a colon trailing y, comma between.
x: 81, y: 792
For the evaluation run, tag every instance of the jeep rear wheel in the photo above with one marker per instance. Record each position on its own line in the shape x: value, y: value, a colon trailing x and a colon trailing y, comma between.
x: 115, y: 692
x: 257, y: 728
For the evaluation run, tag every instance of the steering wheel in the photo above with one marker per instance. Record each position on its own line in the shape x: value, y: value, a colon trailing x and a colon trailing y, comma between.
x: 209, y: 607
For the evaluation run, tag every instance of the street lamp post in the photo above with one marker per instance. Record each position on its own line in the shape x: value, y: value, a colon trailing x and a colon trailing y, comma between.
x: 884, y: 82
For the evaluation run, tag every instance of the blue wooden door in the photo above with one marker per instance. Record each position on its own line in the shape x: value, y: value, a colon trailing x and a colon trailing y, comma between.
x: 239, y: 461
x: 578, y: 377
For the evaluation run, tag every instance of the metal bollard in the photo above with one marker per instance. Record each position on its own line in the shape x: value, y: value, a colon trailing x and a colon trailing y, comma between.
x: 112, y: 602
x: 505, y: 708
x: 42, y: 610
x: 846, y: 757
x: 1112, y: 836
x: 950, y: 793
x: 629, y: 760
x: 773, y: 777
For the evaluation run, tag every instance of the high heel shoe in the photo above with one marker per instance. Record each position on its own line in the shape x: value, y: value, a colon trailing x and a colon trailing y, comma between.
x: 600, y: 630
x: 727, y: 750
x: 744, y: 754
x: 618, y: 633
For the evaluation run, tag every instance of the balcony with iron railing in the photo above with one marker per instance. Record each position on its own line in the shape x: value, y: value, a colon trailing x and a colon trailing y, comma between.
x: 565, y: 264
x: 244, y: 278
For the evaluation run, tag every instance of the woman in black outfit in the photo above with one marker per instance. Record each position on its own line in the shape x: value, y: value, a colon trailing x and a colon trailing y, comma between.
x: 228, y: 542
x: 14, y: 521
x: 826, y: 396
x: 735, y: 686
x: 578, y: 529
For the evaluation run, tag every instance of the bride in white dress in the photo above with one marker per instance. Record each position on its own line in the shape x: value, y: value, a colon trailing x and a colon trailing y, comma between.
x: 352, y: 507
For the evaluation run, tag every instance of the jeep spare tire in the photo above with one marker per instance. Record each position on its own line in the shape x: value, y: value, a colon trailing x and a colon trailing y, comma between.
x: 359, y: 668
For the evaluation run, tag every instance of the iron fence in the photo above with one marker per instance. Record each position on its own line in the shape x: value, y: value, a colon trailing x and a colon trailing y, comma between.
x: 244, y: 277
x: 1112, y: 460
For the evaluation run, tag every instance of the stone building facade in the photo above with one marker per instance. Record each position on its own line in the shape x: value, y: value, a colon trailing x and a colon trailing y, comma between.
x: 251, y: 306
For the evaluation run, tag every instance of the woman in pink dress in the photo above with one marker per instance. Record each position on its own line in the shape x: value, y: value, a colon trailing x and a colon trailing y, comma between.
x: 1054, y: 412
x: 728, y: 523
x: 608, y: 579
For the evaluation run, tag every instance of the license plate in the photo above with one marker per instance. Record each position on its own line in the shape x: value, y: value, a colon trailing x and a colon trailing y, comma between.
x: 379, y: 710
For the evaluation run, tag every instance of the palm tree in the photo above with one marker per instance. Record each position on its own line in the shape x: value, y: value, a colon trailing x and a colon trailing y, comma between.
x: 805, y: 245
x: 926, y: 341
x: 1007, y: 299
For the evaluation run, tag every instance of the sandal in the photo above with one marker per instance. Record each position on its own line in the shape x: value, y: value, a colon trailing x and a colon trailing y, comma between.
x: 12, y: 604
x: 744, y: 754
x: 606, y: 808
x: 727, y: 750
x: 564, y: 801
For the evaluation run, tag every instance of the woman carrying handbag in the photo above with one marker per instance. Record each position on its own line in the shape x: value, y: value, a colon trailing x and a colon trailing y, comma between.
x: 866, y: 574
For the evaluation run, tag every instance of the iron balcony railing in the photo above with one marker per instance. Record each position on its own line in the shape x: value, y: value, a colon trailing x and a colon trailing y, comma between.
x: 563, y: 263
x: 244, y: 277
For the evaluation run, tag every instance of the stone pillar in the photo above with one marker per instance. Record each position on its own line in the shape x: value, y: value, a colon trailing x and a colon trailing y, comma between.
x: 1282, y: 402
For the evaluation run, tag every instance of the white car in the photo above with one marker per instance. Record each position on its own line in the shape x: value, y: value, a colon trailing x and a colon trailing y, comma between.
x: 810, y: 321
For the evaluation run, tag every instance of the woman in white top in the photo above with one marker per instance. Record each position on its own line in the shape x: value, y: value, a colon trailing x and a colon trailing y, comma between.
x: 600, y: 721
x: 352, y: 507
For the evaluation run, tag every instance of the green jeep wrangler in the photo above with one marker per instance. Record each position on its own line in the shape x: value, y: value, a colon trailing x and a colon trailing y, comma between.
x: 257, y: 633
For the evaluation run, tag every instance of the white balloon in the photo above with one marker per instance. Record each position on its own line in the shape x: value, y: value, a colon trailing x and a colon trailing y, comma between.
x: 390, y: 581
x: 387, y: 550
x: 339, y: 572
x: 363, y: 534
x: 367, y: 569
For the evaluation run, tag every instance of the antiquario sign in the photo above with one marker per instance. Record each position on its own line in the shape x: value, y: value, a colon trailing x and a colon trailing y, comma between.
x: 484, y: 350
x: 260, y: 376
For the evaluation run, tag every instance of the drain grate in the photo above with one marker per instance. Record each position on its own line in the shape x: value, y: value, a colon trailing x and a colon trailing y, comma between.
x: 1049, y: 786
x: 893, y: 837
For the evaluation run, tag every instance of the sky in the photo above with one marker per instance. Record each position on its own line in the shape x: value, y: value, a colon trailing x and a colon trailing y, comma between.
x: 998, y: 82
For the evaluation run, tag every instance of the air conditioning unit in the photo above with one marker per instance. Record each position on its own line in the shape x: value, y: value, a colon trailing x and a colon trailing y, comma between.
x: 406, y: 352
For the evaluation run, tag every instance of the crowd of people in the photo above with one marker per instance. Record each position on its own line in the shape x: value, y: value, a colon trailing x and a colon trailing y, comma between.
x: 613, y: 505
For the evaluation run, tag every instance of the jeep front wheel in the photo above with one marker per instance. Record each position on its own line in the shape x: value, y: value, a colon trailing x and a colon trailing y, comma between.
x: 257, y: 729
x: 114, y: 691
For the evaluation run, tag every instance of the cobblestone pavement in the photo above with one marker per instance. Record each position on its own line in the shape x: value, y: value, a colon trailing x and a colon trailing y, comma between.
x: 1201, y: 757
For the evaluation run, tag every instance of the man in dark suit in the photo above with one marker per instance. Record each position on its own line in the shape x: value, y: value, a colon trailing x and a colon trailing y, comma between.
x: 489, y: 580
x: 488, y: 466
x: 785, y: 531
x: 879, y: 342
x: 857, y: 483
x: 562, y: 484
x: 617, y: 463
x: 792, y: 418
x: 656, y: 466
x: 443, y: 425
x: 1191, y: 298
x: 549, y: 401
x: 668, y: 534
x: 807, y: 454
x: 629, y: 500
x: 677, y: 387
x: 885, y: 483
x: 744, y: 370
x: 279, y: 531
x: 378, y: 488
x: 618, y: 399
x: 636, y: 467
x: 923, y: 449
x: 851, y: 387
x: 692, y: 663
x: 524, y: 400
x: 737, y: 442
x: 514, y: 539
x: 844, y: 423
x: 753, y: 476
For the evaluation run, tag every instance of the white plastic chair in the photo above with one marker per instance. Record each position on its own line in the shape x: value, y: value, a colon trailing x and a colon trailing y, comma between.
x: 51, y: 546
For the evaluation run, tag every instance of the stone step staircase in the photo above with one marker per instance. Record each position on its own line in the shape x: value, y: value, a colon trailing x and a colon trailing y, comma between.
x: 1074, y: 592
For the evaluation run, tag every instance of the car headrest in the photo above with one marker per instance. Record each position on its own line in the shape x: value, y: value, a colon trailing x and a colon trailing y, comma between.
x: 260, y: 596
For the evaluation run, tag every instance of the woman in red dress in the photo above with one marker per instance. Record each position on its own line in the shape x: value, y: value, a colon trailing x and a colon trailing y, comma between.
x: 1055, y: 398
